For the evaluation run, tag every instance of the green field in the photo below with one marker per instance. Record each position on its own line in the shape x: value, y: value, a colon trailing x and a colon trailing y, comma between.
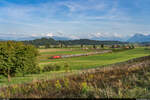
x: 46, y: 53
x: 78, y: 63
x: 98, y: 60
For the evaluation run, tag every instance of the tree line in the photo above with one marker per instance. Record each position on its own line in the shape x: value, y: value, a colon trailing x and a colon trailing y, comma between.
x: 50, y: 41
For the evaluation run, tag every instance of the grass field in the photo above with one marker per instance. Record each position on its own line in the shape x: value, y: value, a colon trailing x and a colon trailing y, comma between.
x: 98, y: 60
x: 127, y: 80
x: 46, y: 53
x: 78, y: 63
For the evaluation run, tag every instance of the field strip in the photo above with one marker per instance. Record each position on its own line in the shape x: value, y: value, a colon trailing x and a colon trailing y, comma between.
x: 122, y: 67
x: 52, y: 50
x: 86, y: 54
x: 79, y: 55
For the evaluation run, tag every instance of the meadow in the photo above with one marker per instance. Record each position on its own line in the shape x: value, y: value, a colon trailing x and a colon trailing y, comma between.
x: 98, y: 60
x: 75, y: 64
x: 123, y: 80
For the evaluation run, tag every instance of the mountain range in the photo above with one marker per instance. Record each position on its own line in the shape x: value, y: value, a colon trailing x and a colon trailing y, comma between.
x: 107, y: 38
x: 139, y: 38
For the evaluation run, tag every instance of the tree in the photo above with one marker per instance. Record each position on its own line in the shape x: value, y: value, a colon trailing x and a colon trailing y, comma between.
x: 113, y: 46
x: 16, y: 57
x: 94, y: 46
x: 7, y: 58
x: 102, y: 45
x: 61, y: 45
x: 118, y: 46
x: 47, y: 45
x: 132, y: 46
x: 66, y: 45
x: 123, y: 46
x: 81, y: 45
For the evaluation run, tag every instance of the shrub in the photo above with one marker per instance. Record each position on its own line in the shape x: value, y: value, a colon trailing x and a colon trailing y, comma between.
x: 51, y: 67
x: 16, y: 57
x: 57, y: 67
x: 47, y: 68
x: 66, y: 67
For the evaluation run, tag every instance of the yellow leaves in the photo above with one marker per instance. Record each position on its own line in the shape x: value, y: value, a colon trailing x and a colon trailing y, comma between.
x: 85, y: 87
x: 66, y: 82
x: 58, y: 85
x: 15, y: 86
x: 90, y: 77
x: 2, y: 95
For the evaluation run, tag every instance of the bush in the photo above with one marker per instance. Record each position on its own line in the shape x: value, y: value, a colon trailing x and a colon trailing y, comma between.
x: 57, y: 67
x: 147, y: 49
x: 51, y: 67
x: 66, y: 67
x: 16, y: 57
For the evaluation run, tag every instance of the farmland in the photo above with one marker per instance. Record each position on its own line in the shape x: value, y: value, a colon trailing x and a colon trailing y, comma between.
x: 77, y: 63
x: 127, y: 81
x: 98, y: 60
x: 68, y: 68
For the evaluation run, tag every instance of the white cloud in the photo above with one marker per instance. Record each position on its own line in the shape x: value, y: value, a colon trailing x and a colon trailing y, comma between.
x: 105, y: 35
x: 49, y: 35
x: 84, y: 5
x: 118, y: 35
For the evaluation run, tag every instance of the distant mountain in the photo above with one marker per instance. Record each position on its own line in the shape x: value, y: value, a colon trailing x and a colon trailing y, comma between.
x: 139, y: 38
x: 107, y: 38
x: 60, y: 38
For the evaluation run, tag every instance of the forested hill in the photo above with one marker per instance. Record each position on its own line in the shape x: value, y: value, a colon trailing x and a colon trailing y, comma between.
x: 90, y: 42
x: 42, y: 41
x: 50, y: 41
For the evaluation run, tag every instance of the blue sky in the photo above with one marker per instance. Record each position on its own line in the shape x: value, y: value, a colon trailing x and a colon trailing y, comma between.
x: 74, y: 18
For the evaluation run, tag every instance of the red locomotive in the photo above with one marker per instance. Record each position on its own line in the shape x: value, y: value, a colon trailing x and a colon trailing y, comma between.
x: 56, y: 57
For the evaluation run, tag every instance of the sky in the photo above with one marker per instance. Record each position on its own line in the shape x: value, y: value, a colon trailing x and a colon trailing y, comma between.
x: 74, y: 18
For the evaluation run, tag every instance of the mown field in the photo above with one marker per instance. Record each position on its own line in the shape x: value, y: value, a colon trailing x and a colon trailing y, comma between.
x: 92, y: 61
x: 47, y: 53
x: 75, y: 64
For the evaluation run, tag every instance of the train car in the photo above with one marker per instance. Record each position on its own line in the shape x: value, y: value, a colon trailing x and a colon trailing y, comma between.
x: 56, y: 57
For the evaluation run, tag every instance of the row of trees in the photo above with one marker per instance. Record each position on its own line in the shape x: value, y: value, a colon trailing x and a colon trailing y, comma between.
x: 16, y: 57
x: 123, y: 46
x: 49, y: 41
x: 95, y: 46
